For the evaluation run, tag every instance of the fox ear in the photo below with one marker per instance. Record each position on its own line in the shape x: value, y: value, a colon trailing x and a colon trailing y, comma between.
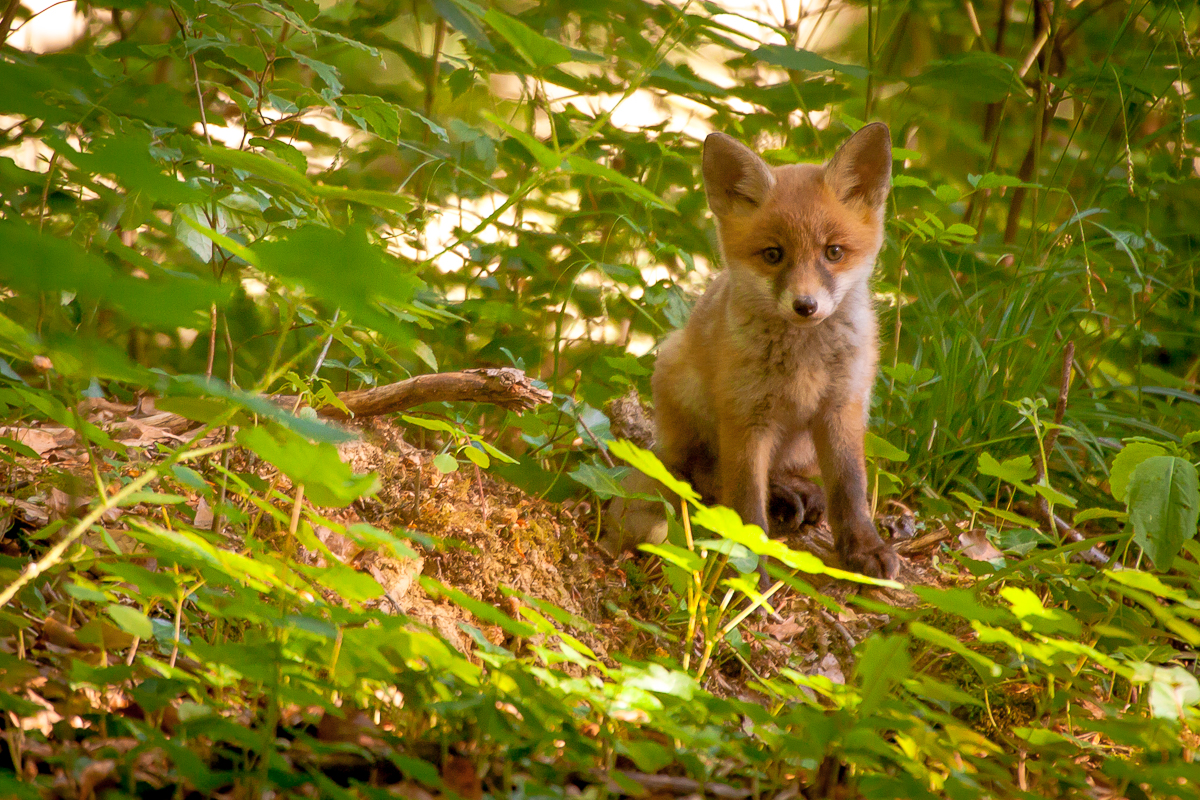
x: 862, y: 166
x: 736, y: 180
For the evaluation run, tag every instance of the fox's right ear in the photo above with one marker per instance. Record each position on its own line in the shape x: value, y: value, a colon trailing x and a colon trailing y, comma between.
x: 736, y: 180
x: 861, y: 169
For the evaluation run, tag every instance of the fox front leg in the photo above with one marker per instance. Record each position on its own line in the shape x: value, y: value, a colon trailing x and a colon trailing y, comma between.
x: 838, y: 436
x: 745, y: 460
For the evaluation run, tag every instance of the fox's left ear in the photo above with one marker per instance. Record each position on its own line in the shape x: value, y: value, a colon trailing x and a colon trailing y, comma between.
x: 862, y: 167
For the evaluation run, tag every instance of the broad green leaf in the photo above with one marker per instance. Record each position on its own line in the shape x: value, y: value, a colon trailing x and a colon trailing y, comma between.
x: 1173, y: 690
x: 679, y: 556
x: 1149, y: 582
x: 973, y: 503
x: 328, y: 481
x: 878, y: 447
x: 1131, y: 455
x: 648, y: 463
x: 882, y: 663
x: 1089, y: 514
x: 344, y: 270
x: 1163, y: 502
x: 1054, y: 495
x: 978, y: 75
x: 160, y: 584
x: 1012, y: 470
x: 131, y: 621
x: 484, y: 611
x: 546, y: 157
x: 604, y: 482
x: 259, y: 164
x: 585, y: 166
x: 34, y: 263
x: 804, y: 61
x: 477, y: 457
x: 740, y: 557
x: 367, y: 197
x: 445, y: 463
x: 188, y: 406
x: 986, y: 667
x: 538, y: 50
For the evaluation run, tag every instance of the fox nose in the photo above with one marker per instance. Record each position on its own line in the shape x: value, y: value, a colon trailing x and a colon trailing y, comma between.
x: 805, y: 306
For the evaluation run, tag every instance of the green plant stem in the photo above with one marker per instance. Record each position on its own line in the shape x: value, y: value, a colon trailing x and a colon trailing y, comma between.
x: 54, y: 555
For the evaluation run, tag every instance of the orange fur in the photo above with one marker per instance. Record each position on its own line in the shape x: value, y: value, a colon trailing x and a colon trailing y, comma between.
x: 773, y: 371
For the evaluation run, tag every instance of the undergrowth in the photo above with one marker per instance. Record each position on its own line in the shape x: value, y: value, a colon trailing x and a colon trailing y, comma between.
x: 203, y: 203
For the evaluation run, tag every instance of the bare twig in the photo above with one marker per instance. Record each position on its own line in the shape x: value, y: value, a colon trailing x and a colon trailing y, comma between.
x: 6, y: 20
x: 1041, y: 508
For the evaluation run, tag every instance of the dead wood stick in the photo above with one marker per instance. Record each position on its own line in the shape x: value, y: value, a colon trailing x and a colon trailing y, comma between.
x: 1041, y: 507
x: 1060, y: 407
x: 506, y: 387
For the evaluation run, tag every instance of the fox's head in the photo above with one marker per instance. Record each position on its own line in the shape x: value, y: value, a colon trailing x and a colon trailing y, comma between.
x: 799, y: 237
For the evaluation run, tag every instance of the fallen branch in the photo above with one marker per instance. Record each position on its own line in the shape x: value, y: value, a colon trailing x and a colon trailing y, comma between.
x: 1041, y: 507
x: 505, y: 387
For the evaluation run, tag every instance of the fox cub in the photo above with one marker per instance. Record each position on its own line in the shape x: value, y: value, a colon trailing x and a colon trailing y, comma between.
x: 772, y: 373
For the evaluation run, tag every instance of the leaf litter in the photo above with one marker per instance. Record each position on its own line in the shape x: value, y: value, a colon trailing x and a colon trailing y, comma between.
x: 489, y: 540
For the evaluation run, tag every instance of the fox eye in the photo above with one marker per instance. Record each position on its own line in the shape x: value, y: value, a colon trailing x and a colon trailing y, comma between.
x: 834, y: 252
x: 773, y: 255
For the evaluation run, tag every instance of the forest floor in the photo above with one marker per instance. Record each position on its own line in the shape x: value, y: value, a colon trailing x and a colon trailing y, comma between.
x: 492, y: 541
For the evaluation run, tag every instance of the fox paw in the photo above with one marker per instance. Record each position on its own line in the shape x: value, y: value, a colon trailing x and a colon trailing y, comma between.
x: 795, y: 502
x: 879, y: 561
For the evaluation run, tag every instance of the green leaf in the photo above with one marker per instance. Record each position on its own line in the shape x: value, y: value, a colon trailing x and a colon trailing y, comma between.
x: 878, y: 447
x: 546, y: 157
x: 367, y: 197
x: 679, y: 556
x: 1089, y: 514
x: 538, y: 50
x: 34, y: 263
x: 976, y: 75
x: 1163, y: 502
x: 484, y: 611
x: 973, y: 503
x: 148, y: 583
x: 604, y: 482
x: 1173, y: 690
x: 947, y: 194
x: 1054, y: 496
x: 131, y: 621
x: 804, y: 61
x: 585, y: 166
x: 345, y: 271
x: 477, y: 457
x: 328, y: 481
x: 882, y: 663
x: 1131, y: 455
x: 646, y: 755
x: 647, y: 462
x: 445, y: 463
x: 1013, y: 470
x: 309, y: 428
x: 258, y: 164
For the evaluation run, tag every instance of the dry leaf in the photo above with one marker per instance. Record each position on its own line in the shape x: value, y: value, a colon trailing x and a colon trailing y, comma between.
x: 831, y: 668
x: 38, y: 440
x: 784, y: 630
x: 976, y: 546
x: 204, y: 516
